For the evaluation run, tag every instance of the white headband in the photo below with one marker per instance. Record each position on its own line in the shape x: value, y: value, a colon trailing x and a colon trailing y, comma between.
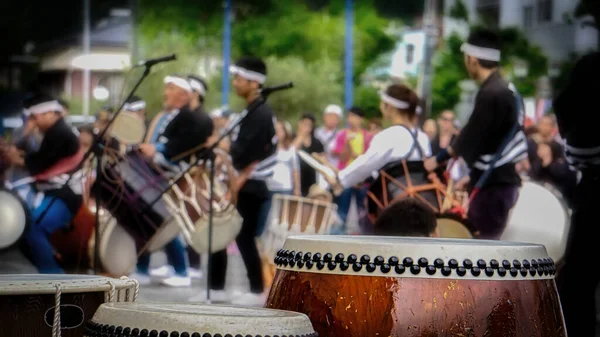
x: 180, y: 82
x: 334, y: 109
x: 248, y: 74
x: 481, y: 53
x: 198, y: 87
x: 396, y: 103
x: 135, y: 106
x: 45, y: 107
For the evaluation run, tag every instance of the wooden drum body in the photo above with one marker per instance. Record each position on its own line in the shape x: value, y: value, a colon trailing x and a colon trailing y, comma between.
x: 28, y: 302
x: 380, y: 286
x: 166, y: 319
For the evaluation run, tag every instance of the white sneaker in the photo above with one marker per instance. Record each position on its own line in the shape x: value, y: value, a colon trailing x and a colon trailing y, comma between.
x: 164, y: 271
x: 177, y: 281
x: 142, y: 279
x: 195, y: 273
x: 215, y: 296
x: 250, y: 300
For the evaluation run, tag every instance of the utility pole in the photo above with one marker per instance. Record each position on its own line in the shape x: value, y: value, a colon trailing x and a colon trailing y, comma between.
x: 86, y: 51
x: 134, y: 6
x: 226, y: 53
x: 348, y: 55
x: 431, y: 39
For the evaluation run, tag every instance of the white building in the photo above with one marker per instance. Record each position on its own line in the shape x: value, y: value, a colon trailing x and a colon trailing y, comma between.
x: 548, y: 24
x: 409, y: 53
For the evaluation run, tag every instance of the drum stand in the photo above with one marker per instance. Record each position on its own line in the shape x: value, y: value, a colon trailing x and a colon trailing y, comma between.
x: 208, y: 154
x: 96, y: 150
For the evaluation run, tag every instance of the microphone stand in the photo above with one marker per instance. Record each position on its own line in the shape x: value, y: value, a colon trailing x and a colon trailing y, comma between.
x: 208, y: 154
x: 96, y: 150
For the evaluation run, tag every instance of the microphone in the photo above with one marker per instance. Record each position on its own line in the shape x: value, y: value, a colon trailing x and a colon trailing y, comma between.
x: 151, y: 62
x: 269, y: 90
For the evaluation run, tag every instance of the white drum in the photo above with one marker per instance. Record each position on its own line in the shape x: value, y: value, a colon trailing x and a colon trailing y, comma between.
x: 28, y: 302
x: 540, y: 216
x: 118, y: 254
x: 292, y: 215
x: 163, y: 319
x: 14, y: 218
x: 128, y: 128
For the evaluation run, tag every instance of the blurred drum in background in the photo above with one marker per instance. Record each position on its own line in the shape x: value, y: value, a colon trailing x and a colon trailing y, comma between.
x: 414, y: 287
x: 28, y: 302
x: 540, y: 216
x: 293, y: 215
x: 128, y: 128
x: 168, y: 319
x: 15, y: 218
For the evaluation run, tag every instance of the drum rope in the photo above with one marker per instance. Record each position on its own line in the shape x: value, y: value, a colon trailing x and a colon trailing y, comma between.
x: 136, y: 290
x: 111, y: 292
x: 56, y: 331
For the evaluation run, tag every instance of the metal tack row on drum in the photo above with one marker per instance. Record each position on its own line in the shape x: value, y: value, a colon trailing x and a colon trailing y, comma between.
x: 381, y: 286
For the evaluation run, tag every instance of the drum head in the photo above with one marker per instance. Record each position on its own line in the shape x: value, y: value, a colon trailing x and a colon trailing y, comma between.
x: 14, y: 218
x: 449, y: 227
x: 46, y: 284
x: 201, y: 319
x: 408, y: 257
x: 539, y: 216
x: 118, y: 253
x: 128, y: 128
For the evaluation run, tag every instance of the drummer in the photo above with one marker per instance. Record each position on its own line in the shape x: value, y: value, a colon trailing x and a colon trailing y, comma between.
x: 52, y: 204
x: 397, y: 142
x: 173, y: 137
x: 495, y: 121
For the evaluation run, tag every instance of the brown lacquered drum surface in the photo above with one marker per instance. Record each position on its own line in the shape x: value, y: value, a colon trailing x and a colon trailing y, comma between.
x: 366, y: 286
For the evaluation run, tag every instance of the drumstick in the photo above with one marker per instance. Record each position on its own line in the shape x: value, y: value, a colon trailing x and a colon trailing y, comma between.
x: 449, y: 196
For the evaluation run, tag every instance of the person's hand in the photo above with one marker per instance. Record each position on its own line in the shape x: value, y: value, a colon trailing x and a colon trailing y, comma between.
x: 15, y: 156
x: 430, y: 164
x: 523, y: 166
x: 461, y: 185
x: 545, y: 153
x: 29, y: 128
x: 148, y: 150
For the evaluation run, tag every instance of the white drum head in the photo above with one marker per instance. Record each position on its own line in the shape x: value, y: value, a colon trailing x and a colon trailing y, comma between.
x: 202, y: 319
x: 539, y: 216
x: 26, y: 284
x: 415, y: 257
x: 118, y: 253
x: 128, y: 128
x: 13, y: 219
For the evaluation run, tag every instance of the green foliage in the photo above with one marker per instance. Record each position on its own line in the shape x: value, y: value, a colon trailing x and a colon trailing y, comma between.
x: 316, y: 85
x: 367, y: 98
x: 449, y: 71
x: 459, y: 11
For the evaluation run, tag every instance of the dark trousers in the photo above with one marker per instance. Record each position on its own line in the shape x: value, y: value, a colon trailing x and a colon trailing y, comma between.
x: 194, y: 258
x: 489, y: 209
x: 250, y: 199
x: 579, y: 277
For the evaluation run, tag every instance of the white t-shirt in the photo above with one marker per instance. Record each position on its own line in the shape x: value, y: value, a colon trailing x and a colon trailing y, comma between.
x: 327, y: 138
x: 282, y: 179
x: 390, y: 145
x: 425, y: 144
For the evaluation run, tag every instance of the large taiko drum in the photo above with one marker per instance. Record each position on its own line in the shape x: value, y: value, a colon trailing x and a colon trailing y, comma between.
x: 28, y: 302
x: 192, y: 194
x: 132, y: 191
x: 409, y: 287
x: 165, y: 319
x: 540, y: 216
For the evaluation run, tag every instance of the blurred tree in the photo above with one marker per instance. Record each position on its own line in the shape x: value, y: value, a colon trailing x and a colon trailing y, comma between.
x: 367, y: 97
x: 459, y: 11
x: 449, y: 71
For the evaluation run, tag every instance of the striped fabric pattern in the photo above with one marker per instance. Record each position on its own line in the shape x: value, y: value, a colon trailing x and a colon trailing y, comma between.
x: 582, y: 157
